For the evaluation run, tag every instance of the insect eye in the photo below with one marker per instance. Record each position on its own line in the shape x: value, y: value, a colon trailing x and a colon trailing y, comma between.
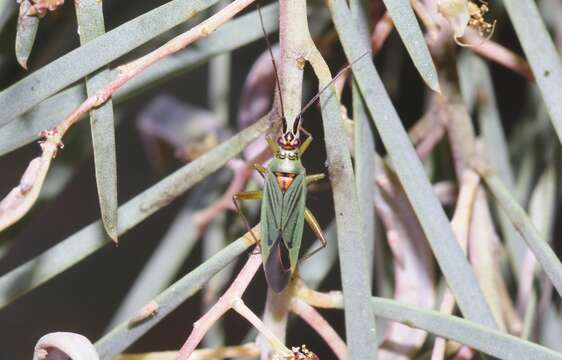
x: 280, y: 155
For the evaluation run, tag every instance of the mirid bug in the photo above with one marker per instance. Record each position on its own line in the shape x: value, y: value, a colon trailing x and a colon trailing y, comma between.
x: 283, y: 208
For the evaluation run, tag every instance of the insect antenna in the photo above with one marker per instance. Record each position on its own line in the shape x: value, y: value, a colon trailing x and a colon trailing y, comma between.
x: 340, y: 73
x: 274, y: 67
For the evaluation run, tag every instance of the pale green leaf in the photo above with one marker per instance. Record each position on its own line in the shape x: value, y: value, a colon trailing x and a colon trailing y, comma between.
x: 25, y: 35
x: 83, y: 243
x: 409, y: 169
x: 28, y: 92
x: 541, y: 54
x: 410, y: 32
x: 89, y: 14
x: 232, y: 35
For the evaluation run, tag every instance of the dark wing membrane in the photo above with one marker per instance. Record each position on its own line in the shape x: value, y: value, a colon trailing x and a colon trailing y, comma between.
x: 282, y: 221
x: 278, y: 266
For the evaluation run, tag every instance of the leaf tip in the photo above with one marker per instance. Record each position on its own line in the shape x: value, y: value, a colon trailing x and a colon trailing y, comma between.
x: 111, y: 231
x: 435, y: 86
x: 23, y: 63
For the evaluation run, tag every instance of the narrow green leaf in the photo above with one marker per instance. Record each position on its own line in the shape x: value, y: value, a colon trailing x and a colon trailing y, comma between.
x: 169, y: 256
x: 356, y: 282
x: 410, y: 32
x: 540, y: 248
x: 91, y: 238
x: 543, y: 204
x: 482, y: 338
x: 541, y: 54
x: 232, y: 35
x: 364, y: 144
x: 33, y: 89
x: 25, y: 35
x: 7, y: 10
x: 125, y: 335
x: 476, y: 71
x: 89, y: 14
x: 431, y: 216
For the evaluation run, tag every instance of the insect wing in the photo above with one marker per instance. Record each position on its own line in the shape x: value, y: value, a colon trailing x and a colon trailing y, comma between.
x: 282, y: 219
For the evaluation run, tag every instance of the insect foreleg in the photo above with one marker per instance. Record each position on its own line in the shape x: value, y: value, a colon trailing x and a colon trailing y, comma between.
x: 305, y: 143
x: 317, y: 230
x: 246, y: 195
x: 313, y: 178
x: 262, y: 170
x: 272, y: 144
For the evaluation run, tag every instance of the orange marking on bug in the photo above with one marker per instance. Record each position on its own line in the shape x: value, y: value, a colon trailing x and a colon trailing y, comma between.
x: 284, y: 180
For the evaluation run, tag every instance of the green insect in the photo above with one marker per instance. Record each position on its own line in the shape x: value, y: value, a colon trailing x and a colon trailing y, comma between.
x: 283, y: 208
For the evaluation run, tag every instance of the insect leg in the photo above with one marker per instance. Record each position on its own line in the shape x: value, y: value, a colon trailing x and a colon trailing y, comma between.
x: 313, y: 178
x: 305, y: 143
x: 246, y: 195
x: 262, y: 170
x: 272, y: 144
x: 317, y: 230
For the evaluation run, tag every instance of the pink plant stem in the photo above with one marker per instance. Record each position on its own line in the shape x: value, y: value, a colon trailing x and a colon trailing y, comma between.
x: 242, y: 173
x: 321, y: 326
x: 132, y: 69
x: 17, y: 203
x: 426, y: 16
x: 460, y: 224
x: 428, y: 143
x: 380, y: 33
x: 225, y: 303
x: 499, y: 54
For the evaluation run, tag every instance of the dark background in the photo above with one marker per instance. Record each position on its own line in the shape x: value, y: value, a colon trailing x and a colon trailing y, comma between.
x: 83, y: 298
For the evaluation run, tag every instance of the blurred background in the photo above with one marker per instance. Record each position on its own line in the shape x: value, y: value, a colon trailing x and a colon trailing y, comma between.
x: 85, y: 298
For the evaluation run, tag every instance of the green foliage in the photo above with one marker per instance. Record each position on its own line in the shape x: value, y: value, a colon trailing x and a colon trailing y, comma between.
x: 408, y: 225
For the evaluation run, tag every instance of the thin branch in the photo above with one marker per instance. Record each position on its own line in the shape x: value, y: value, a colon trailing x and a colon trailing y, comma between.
x: 245, y: 350
x: 460, y: 224
x: 126, y: 73
x: 483, y: 338
x: 18, y: 202
x: 500, y: 54
x: 232, y: 300
x: 126, y: 333
x: 321, y: 326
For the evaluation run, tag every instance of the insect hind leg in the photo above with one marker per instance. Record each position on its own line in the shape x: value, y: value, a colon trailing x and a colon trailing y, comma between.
x: 317, y: 230
x: 246, y: 195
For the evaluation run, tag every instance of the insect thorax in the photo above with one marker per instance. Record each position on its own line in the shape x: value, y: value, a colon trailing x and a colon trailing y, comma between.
x: 287, y: 161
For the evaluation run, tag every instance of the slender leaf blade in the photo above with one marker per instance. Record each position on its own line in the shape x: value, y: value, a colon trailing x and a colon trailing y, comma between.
x: 541, y: 54
x: 124, y: 334
x: 25, y: 35
x: 89, y: 14
x: 431, y: 215
x: 232, y: 35
x: 482, y: 338
x: 356, y: 282
x: 91, y: 238
x: 7, y: 10
x: 410, y: 32
x: 169, y: 256
x: 23, y: 95
x: 540, y: 248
